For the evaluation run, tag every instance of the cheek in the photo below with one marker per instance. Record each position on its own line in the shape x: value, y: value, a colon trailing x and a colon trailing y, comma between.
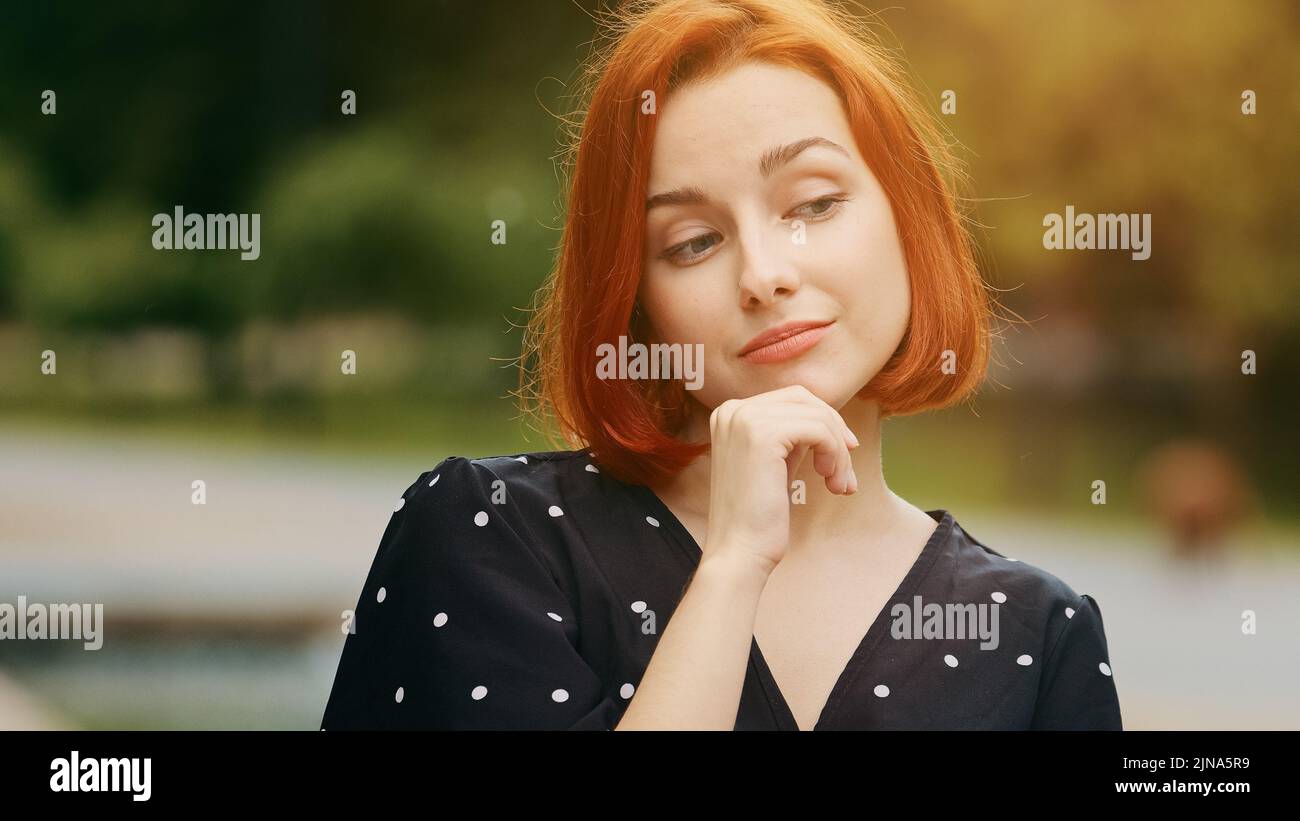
x: 656, y: 307
x: 664, y: 316
x: 688, y: 315
x: 864, y: 258
x: 675, y: 313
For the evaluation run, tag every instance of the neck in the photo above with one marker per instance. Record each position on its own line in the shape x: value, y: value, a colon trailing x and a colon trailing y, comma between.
x: 823, y: 517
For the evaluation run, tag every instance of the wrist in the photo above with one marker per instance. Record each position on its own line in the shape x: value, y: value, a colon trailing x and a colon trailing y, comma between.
x: 735, y: 567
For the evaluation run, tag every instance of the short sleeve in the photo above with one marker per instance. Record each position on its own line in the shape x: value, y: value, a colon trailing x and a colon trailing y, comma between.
x: 1077, y: 690
x: 461, y: 623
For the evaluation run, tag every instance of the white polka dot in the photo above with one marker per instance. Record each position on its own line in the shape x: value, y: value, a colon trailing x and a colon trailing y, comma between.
x: 478, y: 693
x: 592, y: 455
x: 439, y: 620
x: 523, y: 459
x: 554, y: 511
x: 382, y: 594
x: 593, y: 469
x: 481, y: 518
x: 434, y: 480
x: 555, y: 616
x: 401, y: 694
x: 1069, y: 612
x: 881, y: 690
x: 950, y: 660
x: 999, y: 597
x: 400, y: 503
x: 1025, y: 661
x: 626, y: 690
x: 638, y: 607
x: 560, y: 696
x: 652, y: 520
x: 1104, y: 667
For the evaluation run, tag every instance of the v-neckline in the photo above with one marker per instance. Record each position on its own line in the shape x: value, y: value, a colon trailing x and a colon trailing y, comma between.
x: 844, y: 682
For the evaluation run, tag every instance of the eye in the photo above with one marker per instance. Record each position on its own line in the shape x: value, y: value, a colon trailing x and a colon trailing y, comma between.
x: 698, y: 247
x: 820, y: 208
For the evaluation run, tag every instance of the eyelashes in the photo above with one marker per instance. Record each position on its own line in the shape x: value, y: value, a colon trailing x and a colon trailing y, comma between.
x: 831, y: 205
x: 834, y: 202
x: 674, y: 254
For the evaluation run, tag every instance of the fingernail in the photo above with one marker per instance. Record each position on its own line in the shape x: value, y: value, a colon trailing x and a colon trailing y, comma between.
x: 853, y: 482
x: 853, y: 438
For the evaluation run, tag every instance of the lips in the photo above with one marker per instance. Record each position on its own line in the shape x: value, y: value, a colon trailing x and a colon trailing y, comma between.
x: 784, y: 342
x: 780, y: 332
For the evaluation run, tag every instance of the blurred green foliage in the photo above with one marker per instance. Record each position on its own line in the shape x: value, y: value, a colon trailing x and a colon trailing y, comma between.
x: 237, y: 109
x: 1107, y: 105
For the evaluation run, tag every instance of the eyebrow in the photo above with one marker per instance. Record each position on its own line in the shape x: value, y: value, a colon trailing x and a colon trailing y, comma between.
x: 771, y: 160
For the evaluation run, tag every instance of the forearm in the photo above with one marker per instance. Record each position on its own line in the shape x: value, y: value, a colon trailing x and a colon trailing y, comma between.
x: 694, y: 678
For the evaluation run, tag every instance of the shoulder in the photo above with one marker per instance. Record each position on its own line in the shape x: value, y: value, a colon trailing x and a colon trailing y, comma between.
x: 464, y: 478
x: 538, y: 471
x: 465, y: 619
x: 462, y: 501
x: 1036, y: 598
x: 460, y: 481
x: 1049, y: 626
x: 1031, y: 583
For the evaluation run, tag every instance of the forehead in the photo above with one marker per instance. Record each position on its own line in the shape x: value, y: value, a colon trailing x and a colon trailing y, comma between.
x: 736, y: 116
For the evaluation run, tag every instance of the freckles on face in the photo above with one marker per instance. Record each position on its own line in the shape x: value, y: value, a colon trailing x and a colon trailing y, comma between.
x: 760, y: 211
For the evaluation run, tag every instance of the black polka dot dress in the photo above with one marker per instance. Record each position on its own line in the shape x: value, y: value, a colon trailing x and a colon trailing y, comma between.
x: 528, y: 592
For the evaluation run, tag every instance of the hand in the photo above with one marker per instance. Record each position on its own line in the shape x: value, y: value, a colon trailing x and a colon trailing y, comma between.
x: 758, y: 444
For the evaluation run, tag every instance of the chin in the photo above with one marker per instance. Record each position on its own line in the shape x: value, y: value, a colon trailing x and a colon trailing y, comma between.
x: 824, y: 386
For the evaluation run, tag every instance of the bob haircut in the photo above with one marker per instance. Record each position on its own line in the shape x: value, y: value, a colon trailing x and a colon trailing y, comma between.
x: 590, y: 297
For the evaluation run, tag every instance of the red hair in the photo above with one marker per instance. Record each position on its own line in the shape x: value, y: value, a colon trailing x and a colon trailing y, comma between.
x: 590, y: 296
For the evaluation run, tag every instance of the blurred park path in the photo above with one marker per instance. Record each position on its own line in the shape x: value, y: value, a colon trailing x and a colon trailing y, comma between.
x: 282, y: 538
x: 284, y: 541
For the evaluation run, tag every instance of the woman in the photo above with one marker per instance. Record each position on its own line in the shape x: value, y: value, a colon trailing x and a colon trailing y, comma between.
x: 751, y: 179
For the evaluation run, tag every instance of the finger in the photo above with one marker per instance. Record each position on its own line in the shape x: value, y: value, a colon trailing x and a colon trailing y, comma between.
x: 831, y: 458
x: 799, y: 395
x: 841, y: 472
x: 813, y: 428
x: 811, y: 433
x: 850, y: 442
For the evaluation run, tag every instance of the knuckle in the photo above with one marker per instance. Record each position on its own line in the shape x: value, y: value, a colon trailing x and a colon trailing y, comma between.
x: 722, y: 412
x: 743, y: 415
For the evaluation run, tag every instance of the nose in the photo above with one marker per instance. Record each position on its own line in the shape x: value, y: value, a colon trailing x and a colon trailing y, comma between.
x: 767, y: 272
